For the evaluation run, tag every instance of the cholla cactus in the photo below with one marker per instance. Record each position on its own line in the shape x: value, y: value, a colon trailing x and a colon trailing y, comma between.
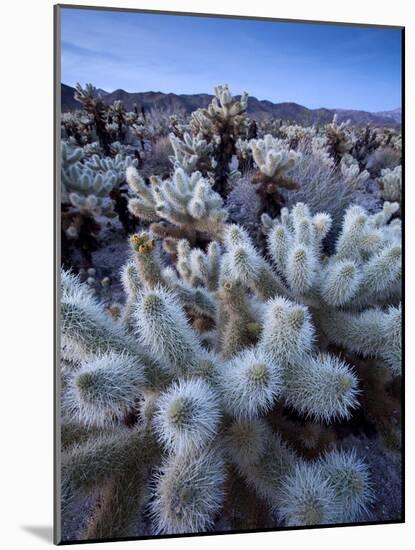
x: 396, y: 141
x: 334, y: 489
x: 116, y: 166
x: 270, y: 126
x: 307, y: 497
x: 85, y: 193
x: 339, y: 139
x: 92, y: 187
x: 364, y: 270
x: 274, y: 162
x: 92, y: 103
x: 188, y: 493
x: 192, y: 153
x: 348, y: 474
x: 192, y: 384
x: 223, y: 110
x: 200, y: 398
x: 294, y: 134
x: 140, y: 130
x: 91, y: 149
x: 243, y: 148
x: 390, y: 184
x: 366, y: 142
x: 320, y: 149
x: 116, y: 169
x: 76, y: 128
x: 184, y: 418
x: 117, y: 116
x: 178, y: 125
x: 351, y: 172
x: 222, y: 123
x: 187, y: 205
x: 199, y: 268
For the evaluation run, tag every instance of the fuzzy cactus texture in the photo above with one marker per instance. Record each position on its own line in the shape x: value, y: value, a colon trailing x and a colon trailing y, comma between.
x: 90, y: 194
x: 346, y: 291
x: 94, y: 106
x: 218, y: 379
x: 274, y: 161
x: 85, y: 188
x: 222, y: 123
x: 191, y: 153
x: 391, y: 184
x: 350, y: 169
x: 183, y: 206
x: 204, y: 398
x: 339, y: 138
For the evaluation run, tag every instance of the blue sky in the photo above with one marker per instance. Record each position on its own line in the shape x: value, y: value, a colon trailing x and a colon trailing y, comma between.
x: 315, y: 65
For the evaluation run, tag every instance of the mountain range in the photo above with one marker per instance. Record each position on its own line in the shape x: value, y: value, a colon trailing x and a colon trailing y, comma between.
x: 257, y: 109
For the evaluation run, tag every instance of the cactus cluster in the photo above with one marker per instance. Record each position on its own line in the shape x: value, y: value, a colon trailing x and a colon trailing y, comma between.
x: 87, y: 183
x: 85, y: 197
x: 391, y: 184
x: 94, y: 106
x: 84, y: 188
x: 183, y: 206
x: 210, y: 141
x: 204, y: 351
x: 223, y: 122
x: 192, y: 153
x: 339, y: 138
x: 274, y: 161
x: 219, y: 381
x: 365, y: 270
x: 351, y: 172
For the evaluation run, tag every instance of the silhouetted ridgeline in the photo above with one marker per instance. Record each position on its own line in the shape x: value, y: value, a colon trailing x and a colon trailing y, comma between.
x: 256, y: 108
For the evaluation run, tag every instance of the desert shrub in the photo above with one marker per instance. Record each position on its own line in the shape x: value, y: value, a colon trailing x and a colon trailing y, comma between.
x: 158, y: 159
x: 322, y: 188
x: 243, y: 202
x: 382, y: 159
x: 159, y: 122
x: 390, y: 184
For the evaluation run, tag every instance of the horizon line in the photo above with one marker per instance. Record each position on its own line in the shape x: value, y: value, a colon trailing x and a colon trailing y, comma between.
x: 249, y: 96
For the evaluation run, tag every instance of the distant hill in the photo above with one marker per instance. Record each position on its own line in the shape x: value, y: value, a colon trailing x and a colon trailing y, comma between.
x: 68, y: 103
x: 395, y: 115
x: 256, y: 109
